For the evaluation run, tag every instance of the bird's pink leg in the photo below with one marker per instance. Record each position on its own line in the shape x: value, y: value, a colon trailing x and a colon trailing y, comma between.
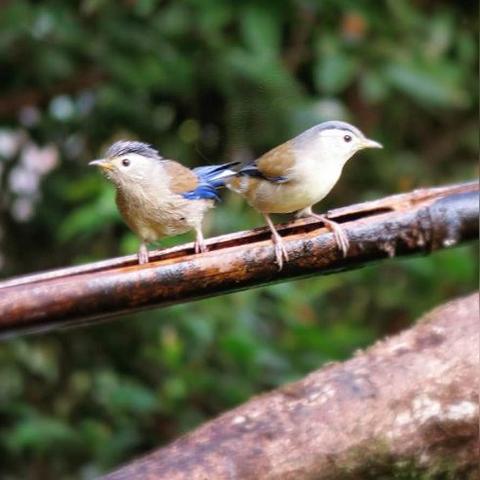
x: 143, y: 254
x: 338, y: 232
x: 280, y: 251
x: 200, y: 246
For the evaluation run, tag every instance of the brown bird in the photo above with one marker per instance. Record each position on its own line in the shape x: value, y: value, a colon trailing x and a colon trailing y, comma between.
x: 299, y: 173
x: 158, y: 197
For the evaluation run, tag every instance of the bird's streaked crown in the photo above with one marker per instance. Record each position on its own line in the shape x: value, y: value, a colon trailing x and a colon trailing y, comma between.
x: 124, y: 147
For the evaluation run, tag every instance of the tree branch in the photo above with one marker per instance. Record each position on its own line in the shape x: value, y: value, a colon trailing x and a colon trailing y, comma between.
x: 415, y: 222
x: 406, y: 406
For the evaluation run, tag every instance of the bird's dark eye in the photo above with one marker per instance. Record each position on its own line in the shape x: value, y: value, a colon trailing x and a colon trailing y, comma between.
x: 125, y: 162
x: 347, y: 138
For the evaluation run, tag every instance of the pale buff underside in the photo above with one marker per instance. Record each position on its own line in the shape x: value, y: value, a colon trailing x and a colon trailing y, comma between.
x: 153, y: 215
x: 303, y: 190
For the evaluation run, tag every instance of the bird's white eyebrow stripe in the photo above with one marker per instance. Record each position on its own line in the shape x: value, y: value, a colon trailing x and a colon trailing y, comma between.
x: 322, y: 127
x: 340, y: 127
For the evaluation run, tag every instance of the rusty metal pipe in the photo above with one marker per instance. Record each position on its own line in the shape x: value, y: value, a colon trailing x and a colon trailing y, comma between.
x: 411, y: 223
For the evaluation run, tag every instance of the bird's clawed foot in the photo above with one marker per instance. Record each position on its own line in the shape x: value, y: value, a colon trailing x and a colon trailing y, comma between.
x: 200, y: 245
x: 143, y: 254
x: 338, y: 232
x: 281, y: 253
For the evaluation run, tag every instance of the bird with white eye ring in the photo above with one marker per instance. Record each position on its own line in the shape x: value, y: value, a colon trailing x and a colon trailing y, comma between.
x: 297, y: 174
x: 158, y: 197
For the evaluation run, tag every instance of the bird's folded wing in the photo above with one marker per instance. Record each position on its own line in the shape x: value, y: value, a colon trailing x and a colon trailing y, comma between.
x: 182, y: 179
x: 274, y: 165
x: 188, y: 183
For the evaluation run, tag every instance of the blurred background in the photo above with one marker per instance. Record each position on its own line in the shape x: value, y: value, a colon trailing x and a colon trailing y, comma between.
x: 207, y: 81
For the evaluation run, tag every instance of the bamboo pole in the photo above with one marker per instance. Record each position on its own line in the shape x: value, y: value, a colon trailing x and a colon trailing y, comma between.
x: 416, y: 222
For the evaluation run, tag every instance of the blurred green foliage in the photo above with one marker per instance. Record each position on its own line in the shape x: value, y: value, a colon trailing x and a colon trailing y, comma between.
x: 207, y: 81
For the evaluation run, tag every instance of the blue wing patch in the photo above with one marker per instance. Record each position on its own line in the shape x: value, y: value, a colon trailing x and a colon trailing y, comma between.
x: 203, y: 191
x: 211, y: 178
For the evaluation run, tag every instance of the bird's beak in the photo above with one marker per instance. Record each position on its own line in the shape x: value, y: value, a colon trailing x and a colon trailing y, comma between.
x: 103, y: 163
x: 367, y: 143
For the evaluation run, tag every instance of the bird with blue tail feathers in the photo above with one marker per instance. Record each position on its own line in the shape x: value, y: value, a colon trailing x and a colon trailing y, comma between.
x: 158, y: 197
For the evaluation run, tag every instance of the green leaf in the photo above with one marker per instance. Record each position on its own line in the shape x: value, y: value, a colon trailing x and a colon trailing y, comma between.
x: 123, y: 395
x: 373, y: 87
x: 40, y: 434
x: 433, y: 86
x: 334, y: 71
x: 261, y: 30
x: 91, y: 218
